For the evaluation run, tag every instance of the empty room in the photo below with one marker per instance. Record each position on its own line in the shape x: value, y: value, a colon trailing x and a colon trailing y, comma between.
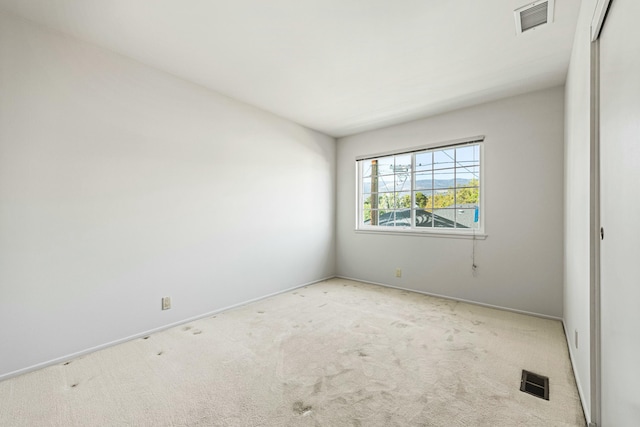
x: 319, y: 213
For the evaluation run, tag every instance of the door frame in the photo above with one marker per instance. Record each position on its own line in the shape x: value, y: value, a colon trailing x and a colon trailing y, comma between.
x: 597, y: 23
x: 594, y: 237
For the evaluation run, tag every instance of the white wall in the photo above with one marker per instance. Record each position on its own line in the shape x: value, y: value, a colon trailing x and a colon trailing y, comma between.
x: 120, y: 184
x: 520, y: 263
x: 577, y: 202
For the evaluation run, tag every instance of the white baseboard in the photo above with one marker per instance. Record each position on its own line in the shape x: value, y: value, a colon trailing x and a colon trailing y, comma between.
x: 482, y: 304
x: 71, y: 356
x: 583, y: 402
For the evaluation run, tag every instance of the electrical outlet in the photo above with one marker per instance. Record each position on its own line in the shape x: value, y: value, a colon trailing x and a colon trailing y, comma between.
x: 166, y: 303
x: 398, y: 272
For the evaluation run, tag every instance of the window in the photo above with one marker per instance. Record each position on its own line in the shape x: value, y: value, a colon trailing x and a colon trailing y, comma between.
x: 422, y: 190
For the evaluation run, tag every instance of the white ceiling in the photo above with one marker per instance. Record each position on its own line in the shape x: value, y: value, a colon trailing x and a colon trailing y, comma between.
x: 337, y: 66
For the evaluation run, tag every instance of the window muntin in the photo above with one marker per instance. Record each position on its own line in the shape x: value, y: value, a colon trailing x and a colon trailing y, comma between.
x: 434, y: 189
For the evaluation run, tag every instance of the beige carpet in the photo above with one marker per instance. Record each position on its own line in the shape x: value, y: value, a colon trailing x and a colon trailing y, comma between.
x: 337, y: 353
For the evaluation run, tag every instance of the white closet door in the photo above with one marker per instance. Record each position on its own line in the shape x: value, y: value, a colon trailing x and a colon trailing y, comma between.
x: 620, y: 214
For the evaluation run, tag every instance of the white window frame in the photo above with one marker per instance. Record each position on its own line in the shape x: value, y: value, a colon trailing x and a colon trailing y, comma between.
x: 476, y: 233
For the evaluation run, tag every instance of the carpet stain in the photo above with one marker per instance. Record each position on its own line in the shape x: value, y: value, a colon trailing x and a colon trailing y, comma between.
x: 301, y: 409
x: 186, y: 328
x: 342, y: 372
x: 74, y: 385
x: 341, y: 400
x: 460, y: 390
x: 145, y: 338
x: 197, y: 332
x: 260, y: 312
x: 362, y: 354
x: 160, y: 353
x: 67, y: 363
x: 386, y: 395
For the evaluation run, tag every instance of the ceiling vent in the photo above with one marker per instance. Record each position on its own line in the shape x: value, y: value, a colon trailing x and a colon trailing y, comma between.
x: 534, y: 15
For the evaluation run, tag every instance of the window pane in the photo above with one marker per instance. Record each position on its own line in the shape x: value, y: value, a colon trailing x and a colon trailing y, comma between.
x: 403, y: 218
x: 386, y: 183
x: 424, y: 181
x: 444, y: 178
x: 378, y: 201
x: 424, y: 199
x: 403, y: 200
x: 366, y: 211
x: 381, y: 166
x: 468, y: 156
x: 385, y: 165
x: 403, y: 163
x: 424, y: 161
x: 387, y: 218
x: 444, y: 218
x: 366, y: 201
x: 467, y: 196
x: 468, y: 216
x: 403, y: 182
x: 423, y: 218
x: 379, y: 184
x: 377, y: 217
x: 373, y: 184
x: 468, y: 176
x: 384, y: 201
x: 366, y: 168
x: 443, y: 159
x: 443, y: 198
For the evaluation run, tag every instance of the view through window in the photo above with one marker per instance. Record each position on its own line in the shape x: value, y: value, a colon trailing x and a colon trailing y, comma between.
x: 423, y: 189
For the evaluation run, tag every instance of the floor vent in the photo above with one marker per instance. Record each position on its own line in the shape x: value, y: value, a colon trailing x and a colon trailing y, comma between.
x: 535, y: 384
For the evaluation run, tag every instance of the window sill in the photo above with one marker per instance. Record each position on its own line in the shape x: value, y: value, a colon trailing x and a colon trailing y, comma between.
x: 448, y: 234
